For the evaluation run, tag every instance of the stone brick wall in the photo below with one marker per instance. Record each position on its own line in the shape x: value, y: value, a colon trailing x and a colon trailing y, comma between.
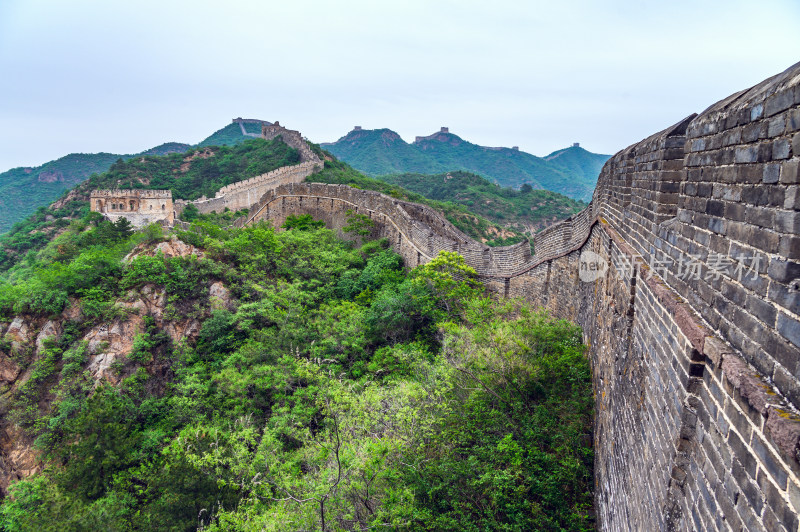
x: 416, y: 231
x: 693, y: 327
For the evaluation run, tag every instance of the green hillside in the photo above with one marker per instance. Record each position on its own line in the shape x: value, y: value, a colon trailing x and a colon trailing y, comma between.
x: 578, y: 161
x: 525, y: 211
x: 230, y: 135
x: 572, y: 172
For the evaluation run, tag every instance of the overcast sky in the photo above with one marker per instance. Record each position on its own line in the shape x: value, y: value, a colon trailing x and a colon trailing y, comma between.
x: 89, y: 76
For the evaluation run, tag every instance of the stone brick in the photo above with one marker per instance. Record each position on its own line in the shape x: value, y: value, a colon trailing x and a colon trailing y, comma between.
x: 781, y: 149
x: 776, y: 126
x: 747, y: 383
x: 746, y: 154
x: 792, y: 123
x: 778, y: 102
x: 792, y: 198
x: 772, y: 173
x: 763, y: 239
x: 761, y: 309
x: 790, y: 246
x: 769, y: 461
x: 750, y: 174
x: 786, y: 297
x: 739, y: 421
x: 715, y: 349
x: 716, y: 208
x: 784, y: 270
x: 756, y: 112
x: 760, y: 216
x: 787, y: 222
x: 783, y: 427
x: 789, y: 328
x: 753, y: 132
x: 736, y: 211
x: 796, y: 144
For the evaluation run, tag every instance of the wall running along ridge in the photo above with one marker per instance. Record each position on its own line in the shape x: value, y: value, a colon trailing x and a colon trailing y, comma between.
x: 695, y: 376
x: 243, y: 194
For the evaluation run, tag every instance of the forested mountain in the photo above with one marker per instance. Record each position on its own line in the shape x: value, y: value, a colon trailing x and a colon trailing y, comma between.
x: 525, y: 211
x: 237, y: 379
x: 572, y: 172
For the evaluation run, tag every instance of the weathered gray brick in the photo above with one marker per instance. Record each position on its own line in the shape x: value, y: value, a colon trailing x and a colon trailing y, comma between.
x: 790, y: 246
x: 792, y: 198
x: 780, y: 149
x: 787, y: 222
x: 793, y: 121
x: 761, y: 309
x: 769, y: 461
x: 778, y: 102
x: 776, y: 126
x: 783, y: 271
x: 772, y: 173
x: 760, y: 216
x: 746, y: 154
x: 789, y: 328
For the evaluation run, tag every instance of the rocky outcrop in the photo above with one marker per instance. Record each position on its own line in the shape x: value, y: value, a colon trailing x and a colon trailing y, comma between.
x: 109, y: 345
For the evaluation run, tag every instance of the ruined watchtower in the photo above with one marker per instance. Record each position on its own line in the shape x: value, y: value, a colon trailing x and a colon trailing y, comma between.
x: 140, y: 207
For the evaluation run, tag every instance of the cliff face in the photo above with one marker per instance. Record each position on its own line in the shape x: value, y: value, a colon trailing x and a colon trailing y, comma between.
x: 109, y: 343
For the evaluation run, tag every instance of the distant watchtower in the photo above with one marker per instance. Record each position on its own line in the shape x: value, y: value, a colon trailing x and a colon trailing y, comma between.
x: 576, y: 144
x: 140, y: 207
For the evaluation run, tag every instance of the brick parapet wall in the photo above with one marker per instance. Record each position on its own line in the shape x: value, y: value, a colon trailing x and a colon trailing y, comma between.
x: 418, y: 231
x: 135, y: 193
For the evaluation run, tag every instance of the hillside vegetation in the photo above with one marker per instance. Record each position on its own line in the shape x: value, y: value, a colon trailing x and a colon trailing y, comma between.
x: 525, y: 211
x: 315, y: 386
x: 572, y: 172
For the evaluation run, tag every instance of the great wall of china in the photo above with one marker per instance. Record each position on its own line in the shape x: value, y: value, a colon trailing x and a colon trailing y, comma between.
x: 691, y: 308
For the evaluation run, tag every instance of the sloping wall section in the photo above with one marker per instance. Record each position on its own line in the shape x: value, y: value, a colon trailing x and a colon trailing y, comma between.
x: 684, y: 272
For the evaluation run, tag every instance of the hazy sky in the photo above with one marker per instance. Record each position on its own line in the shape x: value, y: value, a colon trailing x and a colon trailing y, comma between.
x: 88, y: 76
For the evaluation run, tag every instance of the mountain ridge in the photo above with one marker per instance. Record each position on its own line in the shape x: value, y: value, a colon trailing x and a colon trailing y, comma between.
x: 571, y: 171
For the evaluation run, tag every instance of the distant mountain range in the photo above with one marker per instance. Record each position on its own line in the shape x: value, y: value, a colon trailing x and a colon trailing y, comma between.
x: 572, y: 171
x: 24, y: 189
